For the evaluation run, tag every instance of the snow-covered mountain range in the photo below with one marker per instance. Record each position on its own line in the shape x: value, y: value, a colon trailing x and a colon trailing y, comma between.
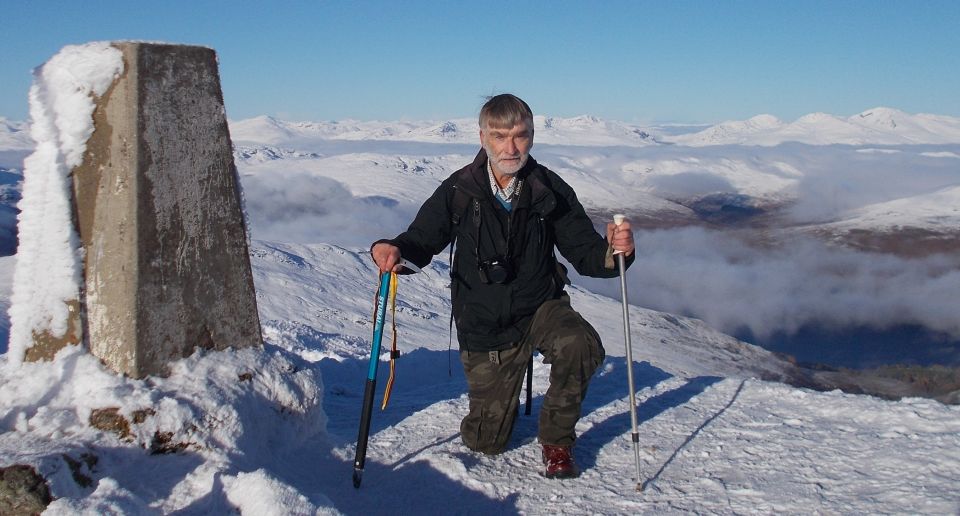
x: 583, y: 130
x: 878, y: 126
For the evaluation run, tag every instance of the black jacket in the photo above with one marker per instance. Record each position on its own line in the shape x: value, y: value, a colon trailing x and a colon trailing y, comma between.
x: 545, y: 215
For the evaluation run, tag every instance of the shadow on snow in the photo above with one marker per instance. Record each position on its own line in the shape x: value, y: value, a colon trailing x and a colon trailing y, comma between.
x: 422, y: 379
x: 407, y: 485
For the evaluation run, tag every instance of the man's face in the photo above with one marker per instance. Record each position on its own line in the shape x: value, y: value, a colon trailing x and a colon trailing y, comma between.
x: 507, y: 149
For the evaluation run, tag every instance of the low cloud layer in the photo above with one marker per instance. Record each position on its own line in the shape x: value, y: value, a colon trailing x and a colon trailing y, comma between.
x: 307, y: 209
x: 733, y: 286
x: 689, y: 184
x: 836, y: 180
x: 719, y: 276
x: 712, y: 275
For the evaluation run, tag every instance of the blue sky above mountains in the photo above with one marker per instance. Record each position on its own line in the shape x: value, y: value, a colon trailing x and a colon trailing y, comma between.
x: 637, y: 61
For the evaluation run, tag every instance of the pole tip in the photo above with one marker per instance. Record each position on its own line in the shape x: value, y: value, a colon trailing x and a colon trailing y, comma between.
x: 357, y: 478
x: 619, y: 218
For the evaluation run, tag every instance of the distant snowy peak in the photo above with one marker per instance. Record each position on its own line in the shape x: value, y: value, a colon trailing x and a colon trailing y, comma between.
x: 880, y: 126
x: 589, y: 130
x: 922, y: 128
x: 736, y: 131
x: 460, y: 131
x: 264, y: 129
x: 264, y: 153
x: 269, y: 130
x: 764, y: 122
x: 15, y: 135
x: 10, y: 125
x: 880, y: 117
x: 581, y: 130
x: 818, y: 119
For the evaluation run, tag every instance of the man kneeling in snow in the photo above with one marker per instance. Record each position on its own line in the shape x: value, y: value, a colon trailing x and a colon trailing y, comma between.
x: 507, y: 213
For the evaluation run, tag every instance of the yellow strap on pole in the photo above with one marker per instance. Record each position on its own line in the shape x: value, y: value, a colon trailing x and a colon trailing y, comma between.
x: 393, y: 349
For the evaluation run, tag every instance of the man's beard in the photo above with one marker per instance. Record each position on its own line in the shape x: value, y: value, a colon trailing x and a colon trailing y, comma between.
x: 509, y: 168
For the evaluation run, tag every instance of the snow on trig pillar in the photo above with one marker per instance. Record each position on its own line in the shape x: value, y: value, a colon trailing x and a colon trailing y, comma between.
x: 134, y: 137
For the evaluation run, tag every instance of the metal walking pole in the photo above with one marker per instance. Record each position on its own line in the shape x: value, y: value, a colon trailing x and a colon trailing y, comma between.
x: 380, y: 314
x: 635, y: 435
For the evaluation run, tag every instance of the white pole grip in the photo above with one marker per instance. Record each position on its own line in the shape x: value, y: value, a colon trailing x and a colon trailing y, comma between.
x: 618, y: 219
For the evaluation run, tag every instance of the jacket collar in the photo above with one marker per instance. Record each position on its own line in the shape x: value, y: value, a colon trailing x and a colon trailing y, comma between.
x: 535, y: 193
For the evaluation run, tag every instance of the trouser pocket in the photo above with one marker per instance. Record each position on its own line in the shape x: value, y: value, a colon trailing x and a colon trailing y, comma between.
x: 494, y: 391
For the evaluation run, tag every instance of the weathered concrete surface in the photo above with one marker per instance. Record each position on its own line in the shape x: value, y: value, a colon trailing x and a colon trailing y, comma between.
x: 159, y: 215
x: 45, y: 345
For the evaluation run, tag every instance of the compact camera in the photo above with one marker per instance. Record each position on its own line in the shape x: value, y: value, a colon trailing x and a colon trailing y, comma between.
x: 496, y: 270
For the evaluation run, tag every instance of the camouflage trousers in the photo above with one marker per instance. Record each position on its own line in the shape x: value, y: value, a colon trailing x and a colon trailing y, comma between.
x: 573, y: 349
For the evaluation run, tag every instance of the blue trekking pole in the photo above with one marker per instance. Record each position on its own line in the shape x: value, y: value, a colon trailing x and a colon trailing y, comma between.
x: 380, y: 314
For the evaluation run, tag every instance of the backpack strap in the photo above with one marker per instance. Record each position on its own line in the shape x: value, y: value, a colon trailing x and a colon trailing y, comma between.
x: 458, y: 207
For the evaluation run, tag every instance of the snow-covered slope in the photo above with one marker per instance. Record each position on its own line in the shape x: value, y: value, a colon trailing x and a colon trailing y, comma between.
x: 934, y: 211
x: 240, y: 430
x: 332, y: 285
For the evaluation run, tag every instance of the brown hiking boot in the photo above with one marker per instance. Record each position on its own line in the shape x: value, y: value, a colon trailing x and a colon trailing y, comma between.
x: 558, y: 462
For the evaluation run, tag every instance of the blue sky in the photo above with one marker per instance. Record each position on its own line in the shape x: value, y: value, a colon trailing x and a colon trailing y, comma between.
x: 636, y: 61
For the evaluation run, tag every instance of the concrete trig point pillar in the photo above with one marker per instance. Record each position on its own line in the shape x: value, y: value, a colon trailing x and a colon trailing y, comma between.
x: 159, y: 214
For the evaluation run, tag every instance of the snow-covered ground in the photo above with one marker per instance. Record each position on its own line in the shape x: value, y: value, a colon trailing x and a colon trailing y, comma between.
x: 273, y: 431
x: 936, y: 210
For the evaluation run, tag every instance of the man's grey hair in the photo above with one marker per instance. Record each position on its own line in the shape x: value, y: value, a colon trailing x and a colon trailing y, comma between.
x: 505, y: 111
